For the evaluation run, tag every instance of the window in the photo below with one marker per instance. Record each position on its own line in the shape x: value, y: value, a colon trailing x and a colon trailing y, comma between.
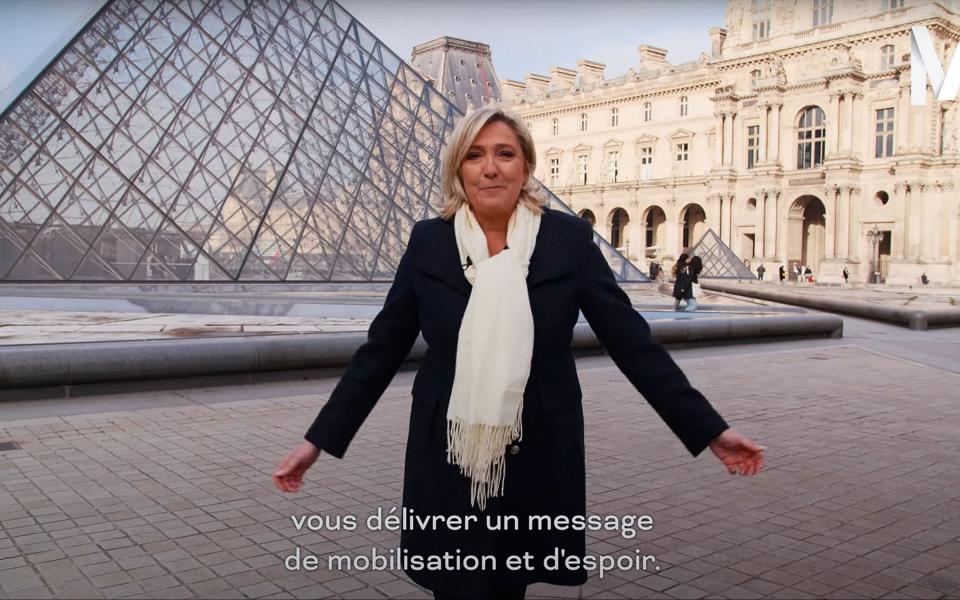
x: 884, y: 133
x: 613, y: 166
x: 761, y: 19
x: 554, y: 172
x: 582, y: 169
x: 822, y: 12
x: 529, y: 126
x: 683, y: 106
x: 583, y: 121
x: 753, y: 145
x: 646, y: 162
x: 647, y: 112
x: 811, y: 138
x: 886, y: 57
x: 754, y: 78
x: 556, y: 126
x: 891, y: 4
x: 682, y: 151
x: 614, y: 116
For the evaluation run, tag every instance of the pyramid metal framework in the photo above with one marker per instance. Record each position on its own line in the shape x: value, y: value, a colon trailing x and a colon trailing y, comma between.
x: 719, y: 261
x: 222, y: 140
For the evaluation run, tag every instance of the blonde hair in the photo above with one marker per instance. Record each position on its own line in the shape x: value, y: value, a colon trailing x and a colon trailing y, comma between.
x: 462, y: 136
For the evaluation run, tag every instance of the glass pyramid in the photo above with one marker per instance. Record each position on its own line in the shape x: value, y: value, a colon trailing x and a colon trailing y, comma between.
x: 222, y: 140
x: 719, y: 261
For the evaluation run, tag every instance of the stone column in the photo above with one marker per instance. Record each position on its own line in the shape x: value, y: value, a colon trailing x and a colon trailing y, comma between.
x: 855, y: 118
x: 720, y: 203
x: 829, y: 230
x: 900, y: 230
x: 733, y: 139
x: 779, y: 220
x: 730, y: 201
x: 727, y: 132
x: 833, y: 125
x: 853, y: 220
x: 903, y: 120
x: 775, y: 139
x: 764, y: 128
x: 842, y: 228
x: 718, y: 140
x: 911, y: 247
x: 929, y: 203
x: 760, y: 221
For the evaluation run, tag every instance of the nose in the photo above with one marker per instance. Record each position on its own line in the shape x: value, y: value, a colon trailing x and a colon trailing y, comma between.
x: 490, y: 167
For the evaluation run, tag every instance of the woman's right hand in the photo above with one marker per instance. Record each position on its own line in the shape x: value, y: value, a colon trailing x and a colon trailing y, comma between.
x: 289, y: 474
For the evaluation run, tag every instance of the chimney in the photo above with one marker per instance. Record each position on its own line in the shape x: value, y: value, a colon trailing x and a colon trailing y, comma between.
x: 513, y: 91
x: 652, y: 58
x: 562, y: 79
x: 718, y: 35
x: 591, y: 73
x: 537, y: 85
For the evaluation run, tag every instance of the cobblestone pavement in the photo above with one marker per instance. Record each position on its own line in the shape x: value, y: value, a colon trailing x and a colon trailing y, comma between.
x: 861, y: 497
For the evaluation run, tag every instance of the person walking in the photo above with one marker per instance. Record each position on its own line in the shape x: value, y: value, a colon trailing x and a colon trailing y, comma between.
x: 693, y: 290
x: 681, y: 280
x: 846, y: 275
x: 782, y: 272
x: 760, y: 271
x: 496, y: 285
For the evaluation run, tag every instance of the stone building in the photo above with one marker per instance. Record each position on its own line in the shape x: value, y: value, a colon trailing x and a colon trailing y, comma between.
x: 795, y: 140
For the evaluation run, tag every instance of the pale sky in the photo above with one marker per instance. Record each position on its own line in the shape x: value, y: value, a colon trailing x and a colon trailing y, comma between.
x: 524, y: 35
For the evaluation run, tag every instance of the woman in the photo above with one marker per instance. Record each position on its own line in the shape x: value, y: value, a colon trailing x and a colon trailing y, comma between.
x: 694, y: 266
x: 496, y: 285
x: 681, y: 281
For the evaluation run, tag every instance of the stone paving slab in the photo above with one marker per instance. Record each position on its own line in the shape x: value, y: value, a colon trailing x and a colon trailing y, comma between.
x: 861, y: 497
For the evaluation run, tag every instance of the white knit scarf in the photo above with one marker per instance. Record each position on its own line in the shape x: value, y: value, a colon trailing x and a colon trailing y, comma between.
x: 494, y: 351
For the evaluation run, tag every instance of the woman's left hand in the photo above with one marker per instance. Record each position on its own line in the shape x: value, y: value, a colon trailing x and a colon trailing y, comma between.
x: 739, y: 454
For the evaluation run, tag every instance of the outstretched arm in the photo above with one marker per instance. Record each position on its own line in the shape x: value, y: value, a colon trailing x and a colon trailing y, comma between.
x: 389, y: 339
x: 644, y: 361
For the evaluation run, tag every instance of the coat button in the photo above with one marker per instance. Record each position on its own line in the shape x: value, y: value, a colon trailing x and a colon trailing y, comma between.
x: 514, y: 449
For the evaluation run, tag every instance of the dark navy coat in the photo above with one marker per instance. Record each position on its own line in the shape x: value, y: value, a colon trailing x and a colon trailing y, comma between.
x: 545, y: 470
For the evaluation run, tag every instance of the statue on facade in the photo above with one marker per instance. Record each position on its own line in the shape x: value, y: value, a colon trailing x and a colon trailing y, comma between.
x: 951, y: 135
x: 844, y: 59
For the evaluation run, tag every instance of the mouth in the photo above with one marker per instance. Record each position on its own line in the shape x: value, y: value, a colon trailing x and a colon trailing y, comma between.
x: 492, y: 187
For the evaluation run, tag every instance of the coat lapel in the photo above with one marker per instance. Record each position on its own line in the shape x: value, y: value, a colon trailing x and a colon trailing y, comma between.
x: 442, y: 260
x: 549, y: 260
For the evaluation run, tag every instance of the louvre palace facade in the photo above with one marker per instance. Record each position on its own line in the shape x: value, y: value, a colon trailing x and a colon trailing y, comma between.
x: 795, y: 140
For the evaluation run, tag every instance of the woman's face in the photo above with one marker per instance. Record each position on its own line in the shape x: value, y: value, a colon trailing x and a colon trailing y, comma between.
x: 494, y: 171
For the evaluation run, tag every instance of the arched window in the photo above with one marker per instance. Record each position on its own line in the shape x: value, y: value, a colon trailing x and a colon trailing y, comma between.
x: 811, y: 138
x: 588, y: 215
x: 618, y: 227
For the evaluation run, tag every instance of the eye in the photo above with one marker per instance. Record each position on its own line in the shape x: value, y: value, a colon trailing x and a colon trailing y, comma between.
x: 507, y: 153
x: 472, y: 154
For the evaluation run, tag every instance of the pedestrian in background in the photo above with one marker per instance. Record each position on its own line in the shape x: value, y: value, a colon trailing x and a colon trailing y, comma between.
x: 760, y: 271
x: 782, y: 273
x: 693, y: 291
x: 681, y: 281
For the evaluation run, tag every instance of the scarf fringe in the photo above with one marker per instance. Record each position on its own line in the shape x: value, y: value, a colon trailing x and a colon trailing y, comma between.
x: 479, y: 450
